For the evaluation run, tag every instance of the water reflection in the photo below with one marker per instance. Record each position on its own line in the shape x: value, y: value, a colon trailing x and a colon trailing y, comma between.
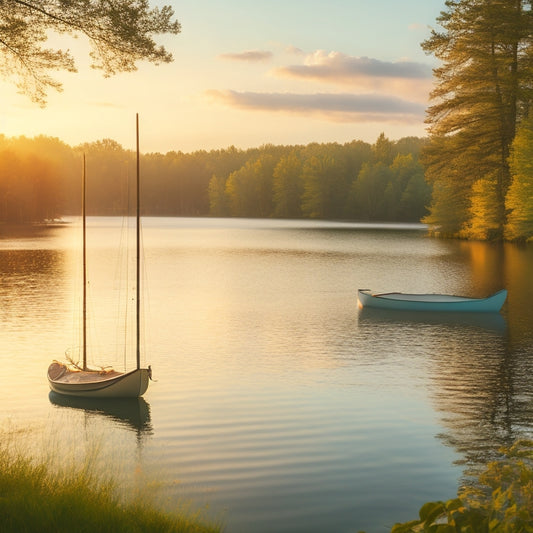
x: 481, y: 375
x: 26, y: 264
x: 478, y: 384
x: 488, y: 321
x: 131, y: 413
x: 289, y: 408
x: 24, y: 231
x: 483, y: 398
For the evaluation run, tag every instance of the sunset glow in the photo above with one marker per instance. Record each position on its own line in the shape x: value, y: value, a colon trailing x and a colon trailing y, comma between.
x: 247, y: 74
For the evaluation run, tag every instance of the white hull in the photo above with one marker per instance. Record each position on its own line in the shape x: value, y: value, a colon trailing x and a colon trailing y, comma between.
x: 431, y: 302
x: 88, y: 384
x: 70, y: 380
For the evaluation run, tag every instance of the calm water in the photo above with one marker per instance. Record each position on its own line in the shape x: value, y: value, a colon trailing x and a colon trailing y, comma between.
x: 278, y: 405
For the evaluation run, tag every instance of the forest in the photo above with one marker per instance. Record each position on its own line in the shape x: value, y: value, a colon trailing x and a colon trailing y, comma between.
x: 471, y: 178
x: 479, y: 155
x: 40, y: 180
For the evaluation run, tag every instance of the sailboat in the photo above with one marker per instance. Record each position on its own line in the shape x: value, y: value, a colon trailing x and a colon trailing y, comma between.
x: 73, y: 380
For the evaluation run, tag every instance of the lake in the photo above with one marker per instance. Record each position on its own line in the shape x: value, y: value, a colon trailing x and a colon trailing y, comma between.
x: 277, y: 405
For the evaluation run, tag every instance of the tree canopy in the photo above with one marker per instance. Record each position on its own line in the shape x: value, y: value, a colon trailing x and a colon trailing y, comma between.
x: 121, y: 33
x: 519, y: 201
x: 483, y: 92
x: 40, y: 180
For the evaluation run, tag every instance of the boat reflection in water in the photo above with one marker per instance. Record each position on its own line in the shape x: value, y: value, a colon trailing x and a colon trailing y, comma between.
x: 131, y: 413
x: 494, y: 322
x: 462, y: 364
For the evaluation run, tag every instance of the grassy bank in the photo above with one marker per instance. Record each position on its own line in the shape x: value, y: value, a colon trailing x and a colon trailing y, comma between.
x: 34, y: 497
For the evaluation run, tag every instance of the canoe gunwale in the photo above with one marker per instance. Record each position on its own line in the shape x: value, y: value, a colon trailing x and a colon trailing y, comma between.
x: 431, y: 302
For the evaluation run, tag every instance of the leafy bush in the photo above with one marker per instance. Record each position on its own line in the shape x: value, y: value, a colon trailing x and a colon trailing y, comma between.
x: 502, y: 502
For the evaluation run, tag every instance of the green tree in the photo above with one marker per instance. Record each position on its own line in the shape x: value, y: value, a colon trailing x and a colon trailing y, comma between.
x: 240, y: 192
x: 121, y: 33
x: 60, y: 157
x: 29, y: 190
x: 519, y: 200
x: 193, y: 175
x: 406, y: 196
x: 249, y: 189
x: 288, y: 187
x: 368, y: 190
x: 109, y: 166
x: 383, y: 150
x: 483, y: 90
x: 448, y: 209
x: 415, y: 198
x: 415, y: 191
x: 266, y: 181
x: 410, y: 145
x: 324, y: 193
x: 157, y: 174
x: 224, y: 162
x: 10, y: 209
x: 218, y: 206
x: 451, y: 190
x: 264, y: 175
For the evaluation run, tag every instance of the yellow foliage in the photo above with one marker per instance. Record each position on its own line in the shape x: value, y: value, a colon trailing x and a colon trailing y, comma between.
x: 519, y: 200
x: 484, y: 222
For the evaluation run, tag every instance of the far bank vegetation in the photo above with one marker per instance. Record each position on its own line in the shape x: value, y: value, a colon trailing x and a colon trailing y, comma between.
x: 40, y: 181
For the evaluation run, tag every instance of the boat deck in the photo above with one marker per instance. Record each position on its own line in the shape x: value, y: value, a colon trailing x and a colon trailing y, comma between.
x: 59, y: 372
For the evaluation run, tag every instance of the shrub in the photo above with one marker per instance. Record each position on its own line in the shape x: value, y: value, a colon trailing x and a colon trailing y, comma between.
x: 502, y: 502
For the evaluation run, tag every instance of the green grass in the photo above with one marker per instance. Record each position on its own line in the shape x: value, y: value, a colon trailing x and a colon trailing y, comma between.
x: 36, y: 497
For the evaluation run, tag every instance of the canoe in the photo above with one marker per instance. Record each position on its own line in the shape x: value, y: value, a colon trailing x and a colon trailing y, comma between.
x: 431, y: 302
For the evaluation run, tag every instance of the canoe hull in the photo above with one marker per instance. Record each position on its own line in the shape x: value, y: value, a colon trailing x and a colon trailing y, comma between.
x: 431, y: 302
x: 68, y: 382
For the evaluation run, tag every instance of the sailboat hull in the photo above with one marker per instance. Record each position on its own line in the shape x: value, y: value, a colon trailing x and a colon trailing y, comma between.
x: 72, y: 382
x: 69, y: 380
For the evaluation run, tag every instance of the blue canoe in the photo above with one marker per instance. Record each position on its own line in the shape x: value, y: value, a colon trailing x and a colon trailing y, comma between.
x: 431, y: 302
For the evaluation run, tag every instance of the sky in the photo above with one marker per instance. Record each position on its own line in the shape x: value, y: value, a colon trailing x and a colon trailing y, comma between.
x: 248, y: 73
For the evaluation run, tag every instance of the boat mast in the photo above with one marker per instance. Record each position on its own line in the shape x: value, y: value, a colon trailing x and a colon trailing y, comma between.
x: 84, y: 269
x: 138, y: 254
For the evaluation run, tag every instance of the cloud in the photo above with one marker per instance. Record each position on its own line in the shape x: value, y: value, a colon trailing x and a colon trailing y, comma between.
x: 293, y: 50
x: 329, y: 106
x: 363, y: 74
x: 342, y: 68
x: 251, y: 56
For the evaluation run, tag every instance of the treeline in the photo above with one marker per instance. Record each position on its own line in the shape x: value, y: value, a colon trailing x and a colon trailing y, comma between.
x: 40, y: 180
x: 359, y: 181
x: 479, y: 156
x: 36, y: 179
